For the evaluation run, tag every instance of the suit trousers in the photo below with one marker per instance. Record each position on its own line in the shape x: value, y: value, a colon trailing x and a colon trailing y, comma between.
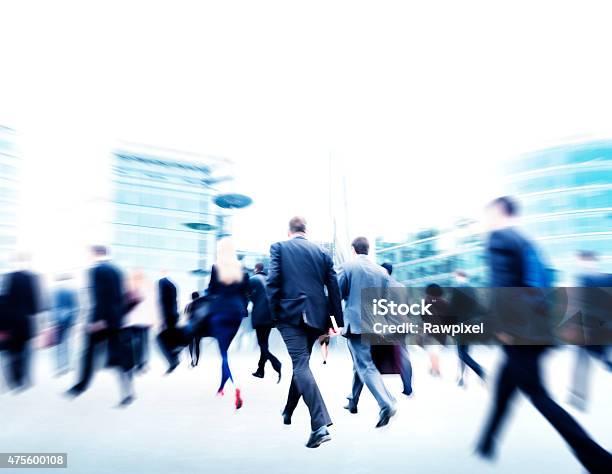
x: 402, y: 360
x: 263, y: 335
x: 463, y: 351
x: 299, y: 341
x: 92, y: 344
x: 365, y: 371
x: 18, y: 357
x: 521, y: 371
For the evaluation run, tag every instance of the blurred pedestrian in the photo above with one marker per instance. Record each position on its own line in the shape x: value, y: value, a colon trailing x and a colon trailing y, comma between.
x: 22, y: 301
x: 194, y: 344
x: 104, y: 326
x: 514, y: 263
x: 64, y: 312
x: 395, y: 359
x: 227, y: 294
x: 261, y: 320
x: 170, y: 338
x: 140, y: 317
x: 464, y: 308
x: 588, y: 281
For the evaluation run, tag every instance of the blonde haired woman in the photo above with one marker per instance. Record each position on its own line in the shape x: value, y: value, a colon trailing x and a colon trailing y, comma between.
x: 227, y: 291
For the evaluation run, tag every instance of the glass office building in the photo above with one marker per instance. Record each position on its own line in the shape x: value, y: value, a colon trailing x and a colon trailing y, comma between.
x: 566, y: 198
x: 9, y: 170
x: 164, y: 217
x: 431, y: 255
x: 565, y: 195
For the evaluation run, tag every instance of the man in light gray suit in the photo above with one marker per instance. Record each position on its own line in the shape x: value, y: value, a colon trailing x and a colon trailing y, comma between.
x: 355, y: 275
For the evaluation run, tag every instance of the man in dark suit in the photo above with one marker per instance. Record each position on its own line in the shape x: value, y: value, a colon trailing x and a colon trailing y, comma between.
x: 21, y: 303
x: 303, y: 293
x: 511, y: 258
x: 105, y: 325
x: 261, y: 320
x: 168, y: 338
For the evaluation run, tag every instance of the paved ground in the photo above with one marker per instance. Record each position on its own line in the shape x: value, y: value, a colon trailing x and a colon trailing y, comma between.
x: 177, y: 425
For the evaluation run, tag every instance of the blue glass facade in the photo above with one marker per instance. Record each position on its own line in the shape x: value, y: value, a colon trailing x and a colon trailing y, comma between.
x: 431, y: 255
x: 565, y: 194
x: 9, y: 170
x: 154, y: 197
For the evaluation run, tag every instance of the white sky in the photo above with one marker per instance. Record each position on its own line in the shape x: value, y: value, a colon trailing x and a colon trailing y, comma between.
x: 417, y: 102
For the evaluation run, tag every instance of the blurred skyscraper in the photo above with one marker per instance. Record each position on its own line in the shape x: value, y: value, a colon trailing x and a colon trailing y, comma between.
x: 565, y: 193
x: 566, y: 198
x: 164, y: 217
x: 9, y: 179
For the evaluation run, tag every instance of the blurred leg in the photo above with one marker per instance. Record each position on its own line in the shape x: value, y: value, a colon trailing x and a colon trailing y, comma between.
x: 293, y: 397
x: 357, y: 385
x: 464, y: 355
x: 262, y: 334
x: 405, y: 368
x: 368, y: 373
x: 299, y: 341
x: 580, y: 378
x: 505, y: 389
x: 592, y: 456
x: 87, y: 363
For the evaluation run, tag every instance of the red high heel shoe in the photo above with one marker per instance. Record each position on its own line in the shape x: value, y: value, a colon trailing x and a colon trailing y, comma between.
x: 238, y: 399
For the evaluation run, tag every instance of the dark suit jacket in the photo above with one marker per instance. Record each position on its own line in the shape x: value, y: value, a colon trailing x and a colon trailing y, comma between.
x: 517, y: 308
x: 168, y: 302
x: 507, y: 250
x: 260, y: 314
x: 21, y: 303
x: 463, y: 305
x: 107, y: 295
x: 302, y: 285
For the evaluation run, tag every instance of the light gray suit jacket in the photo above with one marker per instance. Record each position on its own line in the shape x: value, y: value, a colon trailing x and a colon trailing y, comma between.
x: 356, y: 275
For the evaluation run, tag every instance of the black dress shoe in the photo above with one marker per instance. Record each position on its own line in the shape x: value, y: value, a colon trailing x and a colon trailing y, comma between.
x: 258, y: 374
x: 385, y: 416
x: 485, y: 448
x: 351, y: 408
x: 318, y: 437
x: 407, y: 392
x: 286, y: 419
x: 126, y: 401
x: 171, y: 368
x: 74, y: 391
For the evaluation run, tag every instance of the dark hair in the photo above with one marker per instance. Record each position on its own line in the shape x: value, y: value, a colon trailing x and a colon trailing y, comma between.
x: 297, y: 224
x: 507, y: 204
x: 388, y: 266
x: 587, y: 255
x: 259, y: 267
x: 361, y: 245
x: 99, y: 250
x: 434, y: 290
x: 195, y: 295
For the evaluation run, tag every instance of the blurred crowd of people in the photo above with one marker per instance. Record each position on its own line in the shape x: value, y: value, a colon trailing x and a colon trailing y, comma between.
x: 308, y: 302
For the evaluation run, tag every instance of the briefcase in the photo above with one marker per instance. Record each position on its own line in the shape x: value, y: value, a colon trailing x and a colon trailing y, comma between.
x: 386, y: 359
